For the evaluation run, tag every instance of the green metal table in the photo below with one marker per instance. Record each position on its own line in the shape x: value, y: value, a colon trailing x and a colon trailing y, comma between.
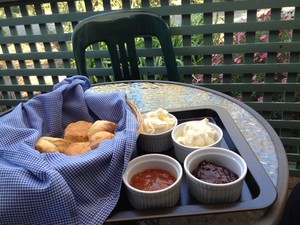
x: 262, y: 139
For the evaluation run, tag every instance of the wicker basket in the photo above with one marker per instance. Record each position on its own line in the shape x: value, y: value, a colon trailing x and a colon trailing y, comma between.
x: 138, y: 115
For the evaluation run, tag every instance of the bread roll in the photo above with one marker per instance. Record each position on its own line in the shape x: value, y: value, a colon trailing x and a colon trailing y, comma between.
x: 44, y: 145
x: 77, y: 132
x: 79, y: 137
x: 98, y: 137
x: 60, y: 143
x: 77, y: 148
x: 102, y: 125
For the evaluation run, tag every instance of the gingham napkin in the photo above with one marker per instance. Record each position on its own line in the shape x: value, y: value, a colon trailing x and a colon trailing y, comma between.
x: 53, y: 188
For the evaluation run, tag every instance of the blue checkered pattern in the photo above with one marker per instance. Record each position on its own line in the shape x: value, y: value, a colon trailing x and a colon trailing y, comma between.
x: 54, y: 188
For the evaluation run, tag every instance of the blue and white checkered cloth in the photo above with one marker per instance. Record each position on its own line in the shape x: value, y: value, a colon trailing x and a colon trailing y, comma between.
x: 53, y: 188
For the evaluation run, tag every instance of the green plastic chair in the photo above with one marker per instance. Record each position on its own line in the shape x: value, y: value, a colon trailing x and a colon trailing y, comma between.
x: 118, y: 29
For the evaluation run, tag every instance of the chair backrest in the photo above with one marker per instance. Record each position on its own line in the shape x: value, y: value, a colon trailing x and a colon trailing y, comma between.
x: 118, y: 29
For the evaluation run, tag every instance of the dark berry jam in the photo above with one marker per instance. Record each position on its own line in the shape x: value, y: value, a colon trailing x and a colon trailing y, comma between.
x: 212, y: 173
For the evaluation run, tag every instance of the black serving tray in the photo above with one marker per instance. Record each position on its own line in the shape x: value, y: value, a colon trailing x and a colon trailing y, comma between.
x: 258, y: 190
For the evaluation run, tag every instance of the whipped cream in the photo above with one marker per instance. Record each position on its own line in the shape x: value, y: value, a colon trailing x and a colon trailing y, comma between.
x: 197, y: 134
x: 157, y: 121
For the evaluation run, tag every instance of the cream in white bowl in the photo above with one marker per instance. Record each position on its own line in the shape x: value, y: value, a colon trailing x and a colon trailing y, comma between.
x: 156, y: 131
x: 192, y: 135
x: 166, y: 197
x: 206, y: 192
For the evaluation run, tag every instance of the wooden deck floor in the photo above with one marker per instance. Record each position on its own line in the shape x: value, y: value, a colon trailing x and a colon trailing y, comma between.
x: 292, y: 182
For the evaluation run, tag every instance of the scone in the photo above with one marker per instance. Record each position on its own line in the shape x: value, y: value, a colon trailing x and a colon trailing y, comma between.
x: 102, y: 125
x: 98, y: 137
x: 77, y: 148
x: 51, y: 144
x: 77, y: 132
